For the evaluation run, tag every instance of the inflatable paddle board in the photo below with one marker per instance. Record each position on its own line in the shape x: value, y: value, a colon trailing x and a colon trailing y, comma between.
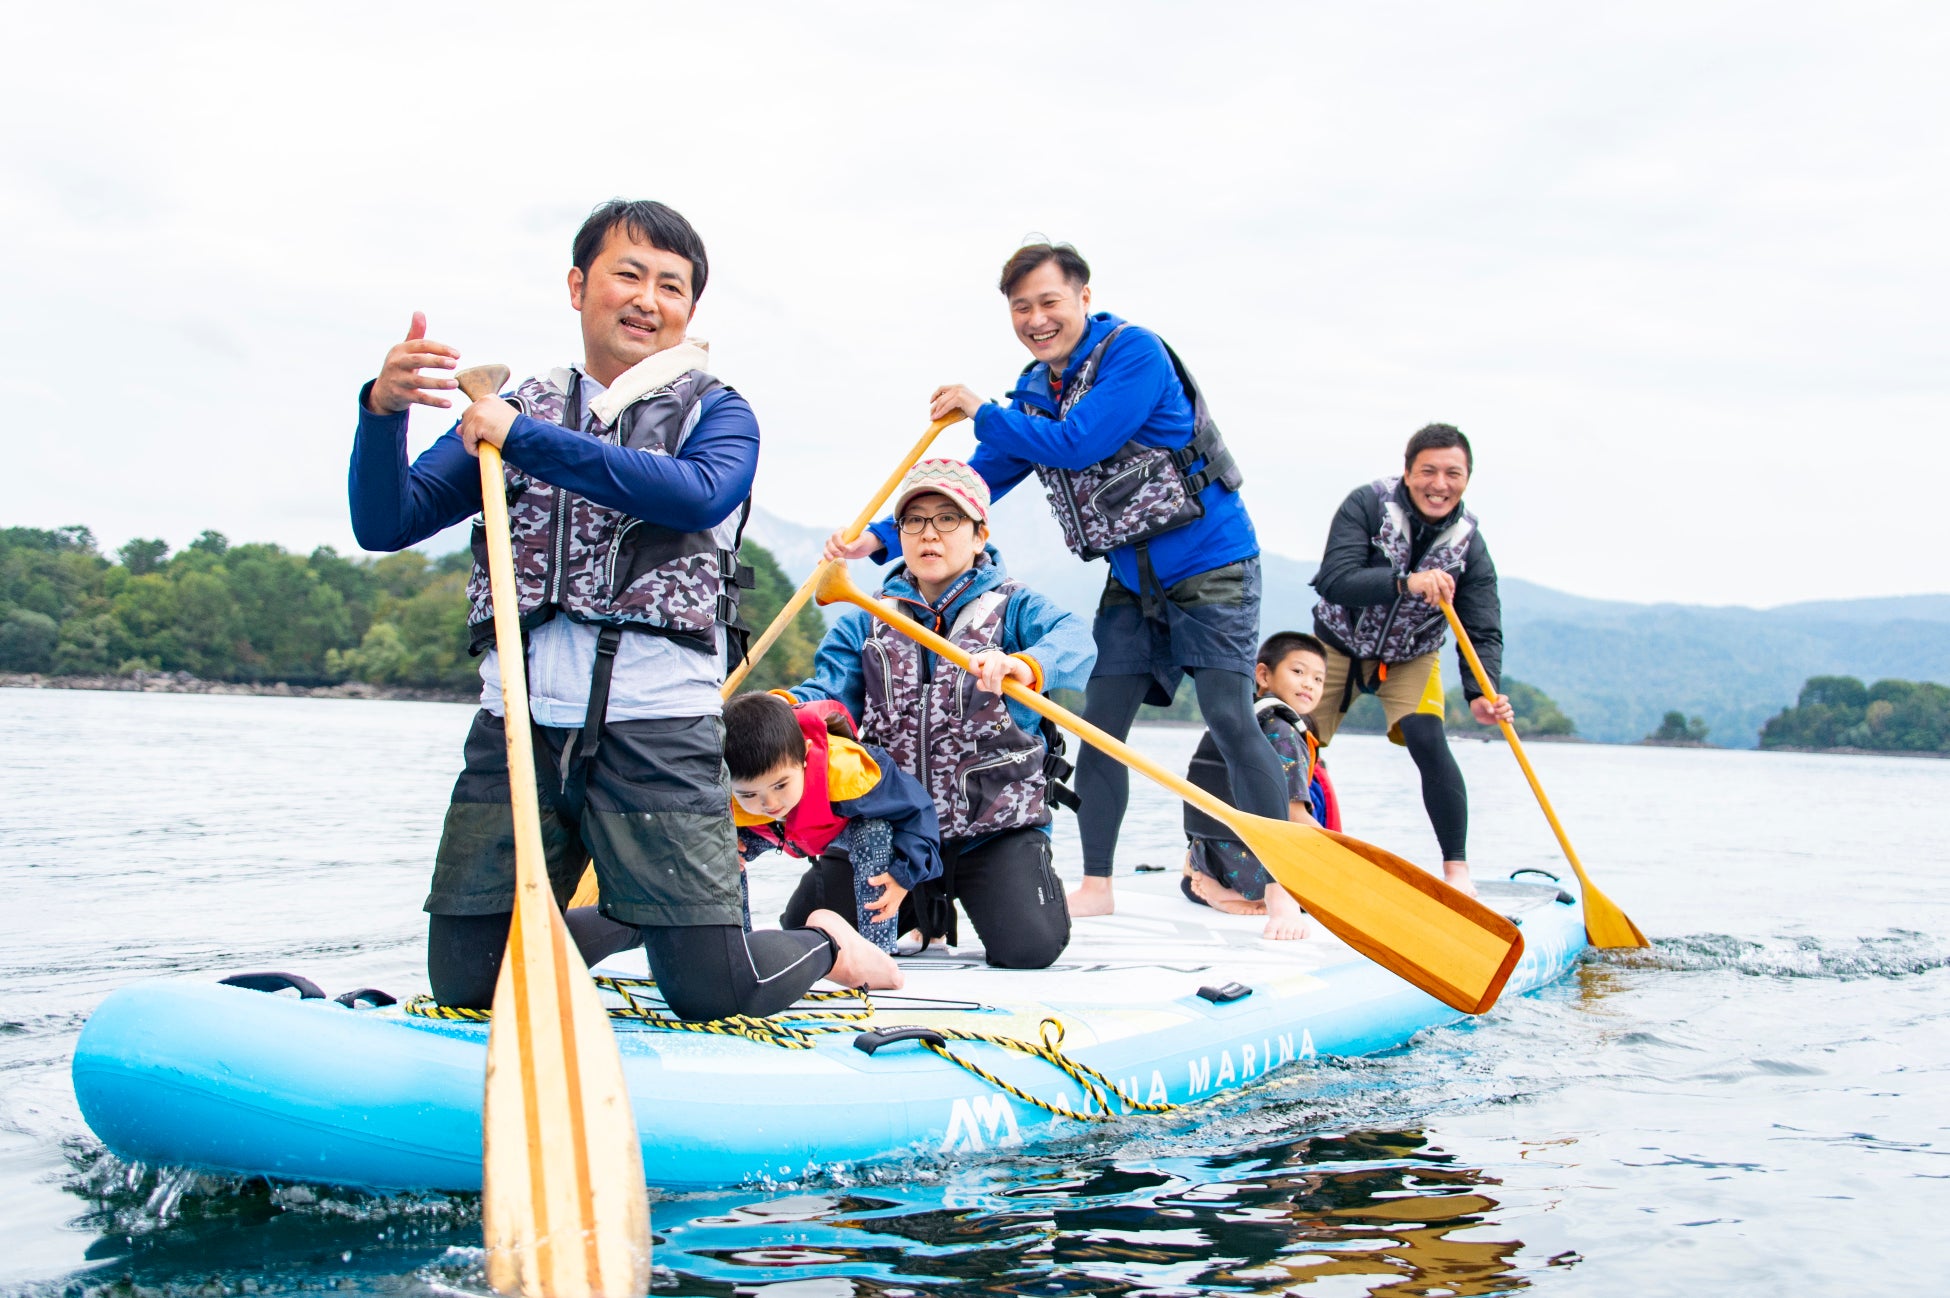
x: 1163, y: 1003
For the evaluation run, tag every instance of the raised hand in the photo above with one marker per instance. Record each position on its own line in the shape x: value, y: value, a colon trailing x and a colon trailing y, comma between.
x: 838, y: 547
x: 401, y: 383
x: 953, y: 396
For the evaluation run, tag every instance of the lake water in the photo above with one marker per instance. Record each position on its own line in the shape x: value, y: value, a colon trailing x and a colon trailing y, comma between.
x: 1761, y: 1101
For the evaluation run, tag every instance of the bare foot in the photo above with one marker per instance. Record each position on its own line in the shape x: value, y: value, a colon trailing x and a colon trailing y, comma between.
x: 859, y: 963
x: 1456, y: 874
x: 1285, y: 921
x: 1092, y: 897
x: 1221, y: 898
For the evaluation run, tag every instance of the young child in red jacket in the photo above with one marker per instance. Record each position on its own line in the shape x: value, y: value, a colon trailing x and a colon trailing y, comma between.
x: 802, y: 784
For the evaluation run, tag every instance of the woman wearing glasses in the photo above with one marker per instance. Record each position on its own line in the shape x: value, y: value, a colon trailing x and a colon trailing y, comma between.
x: 983, y: 758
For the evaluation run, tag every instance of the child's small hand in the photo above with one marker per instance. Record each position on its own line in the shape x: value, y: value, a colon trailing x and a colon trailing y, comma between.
x: 891, y: 896
x: 992, y: 665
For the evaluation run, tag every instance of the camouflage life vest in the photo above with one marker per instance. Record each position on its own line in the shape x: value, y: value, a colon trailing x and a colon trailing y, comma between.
x: 1408, y: 626
x: 1140, y: 491
x: 984, y: 772
x: 598, y: 564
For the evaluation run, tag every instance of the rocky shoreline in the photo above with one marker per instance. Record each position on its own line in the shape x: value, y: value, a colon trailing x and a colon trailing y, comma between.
x: 143, y: 682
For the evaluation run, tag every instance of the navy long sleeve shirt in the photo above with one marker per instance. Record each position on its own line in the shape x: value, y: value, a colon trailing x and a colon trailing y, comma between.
x: 395, y: 505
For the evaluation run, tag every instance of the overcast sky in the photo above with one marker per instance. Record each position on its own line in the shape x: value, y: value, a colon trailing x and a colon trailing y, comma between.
x: 1678, y: 269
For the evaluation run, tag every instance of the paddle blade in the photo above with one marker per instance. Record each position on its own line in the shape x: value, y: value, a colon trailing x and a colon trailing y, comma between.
x: 564, y: 1212
x: 1450, y: 945
x: 1605, y: 925
x: 588, y: 892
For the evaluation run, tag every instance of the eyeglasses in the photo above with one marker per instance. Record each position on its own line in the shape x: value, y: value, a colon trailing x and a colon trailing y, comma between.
x: 944, y: 523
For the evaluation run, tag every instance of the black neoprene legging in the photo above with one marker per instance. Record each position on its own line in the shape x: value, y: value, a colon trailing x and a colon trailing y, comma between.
x: 1443, y: 793
x: 1226, y: 700
x: 706, y: 971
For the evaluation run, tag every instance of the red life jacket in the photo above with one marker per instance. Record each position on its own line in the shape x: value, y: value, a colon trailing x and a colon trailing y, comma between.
x: 1330, y: 802
x: 811, y: 826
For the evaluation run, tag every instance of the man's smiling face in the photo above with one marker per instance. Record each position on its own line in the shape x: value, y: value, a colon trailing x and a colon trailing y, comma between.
x: 635, y: 301
x: 1436, y: 481
x: 1050, y: 314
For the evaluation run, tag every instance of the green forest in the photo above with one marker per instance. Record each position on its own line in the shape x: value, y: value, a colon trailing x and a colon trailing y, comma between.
x: 255, y: 612
x: 1842, y: 712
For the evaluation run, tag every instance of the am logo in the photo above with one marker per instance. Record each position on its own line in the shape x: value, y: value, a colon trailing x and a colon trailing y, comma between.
x: 987, y: 1121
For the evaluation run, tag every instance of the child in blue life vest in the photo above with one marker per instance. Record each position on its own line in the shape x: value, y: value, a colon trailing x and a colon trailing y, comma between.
x: 1219, y: 871
x: 801, y: 782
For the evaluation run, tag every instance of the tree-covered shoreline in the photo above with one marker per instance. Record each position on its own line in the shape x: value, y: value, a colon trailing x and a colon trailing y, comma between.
x: 258, y: 614
x: 1841, y: 714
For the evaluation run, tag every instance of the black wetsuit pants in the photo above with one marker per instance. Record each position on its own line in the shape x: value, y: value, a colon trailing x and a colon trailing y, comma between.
x: 1225, y: 698
x: 1443, y: 793
x: 1005, y: 884
x: 705, y: 971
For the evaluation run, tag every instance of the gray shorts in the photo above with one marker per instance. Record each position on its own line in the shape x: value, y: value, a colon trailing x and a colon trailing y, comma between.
x: 1210, y: 619
x: 657, y: 824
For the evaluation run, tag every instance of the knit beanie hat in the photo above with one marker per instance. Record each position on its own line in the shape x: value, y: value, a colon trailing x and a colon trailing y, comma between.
x: 950, y: 478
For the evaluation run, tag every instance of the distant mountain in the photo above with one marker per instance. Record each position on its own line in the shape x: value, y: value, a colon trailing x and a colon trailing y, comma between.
x: 1615, y: 667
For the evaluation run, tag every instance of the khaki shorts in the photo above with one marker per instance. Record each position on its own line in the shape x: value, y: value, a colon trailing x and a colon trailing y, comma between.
x: 1403, y: 688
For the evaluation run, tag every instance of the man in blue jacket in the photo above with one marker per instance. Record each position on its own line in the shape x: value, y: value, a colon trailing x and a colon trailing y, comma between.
x: 1113, y: 424
x: 627, y: 480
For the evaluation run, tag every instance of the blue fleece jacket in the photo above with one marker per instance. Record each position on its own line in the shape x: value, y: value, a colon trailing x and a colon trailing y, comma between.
x: 394, y: 505
x: 1032, y: 625
x: 1136, y: 396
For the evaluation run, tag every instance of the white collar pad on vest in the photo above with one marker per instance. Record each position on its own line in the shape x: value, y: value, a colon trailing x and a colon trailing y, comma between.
x: 646, y: 376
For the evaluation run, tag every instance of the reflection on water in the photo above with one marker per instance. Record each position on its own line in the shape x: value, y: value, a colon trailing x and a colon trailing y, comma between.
x: 1385, y: 1208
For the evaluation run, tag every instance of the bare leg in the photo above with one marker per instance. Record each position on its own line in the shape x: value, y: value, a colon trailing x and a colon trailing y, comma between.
x: 1221, y: 898
x: 859, y: 963
x: 1457, y: 875
x: 1111, y: 704
x: 1285, y: 921
x: 1092, y: 897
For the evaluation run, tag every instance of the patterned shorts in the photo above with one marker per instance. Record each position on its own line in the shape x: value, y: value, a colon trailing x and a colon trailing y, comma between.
x: 1228, y: 861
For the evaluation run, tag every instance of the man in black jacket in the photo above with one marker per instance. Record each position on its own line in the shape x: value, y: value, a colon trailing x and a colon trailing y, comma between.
x: 1398, y: 550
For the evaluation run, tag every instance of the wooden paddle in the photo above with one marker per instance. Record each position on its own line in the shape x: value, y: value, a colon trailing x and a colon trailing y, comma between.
x: 1605, y: 925
x: 564, y: 1212
x: 852, y: 533
x: 587, y: 892
x: 1403, y: 918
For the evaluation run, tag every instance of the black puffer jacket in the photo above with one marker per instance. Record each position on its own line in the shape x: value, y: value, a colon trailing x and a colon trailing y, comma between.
x: 1355, y: 573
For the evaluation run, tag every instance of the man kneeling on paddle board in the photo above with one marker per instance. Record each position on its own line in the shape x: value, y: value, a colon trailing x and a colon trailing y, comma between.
x: 628, y: 481
x: 1114, y: 425
x: 1399, y: 548
x: 984, y: 758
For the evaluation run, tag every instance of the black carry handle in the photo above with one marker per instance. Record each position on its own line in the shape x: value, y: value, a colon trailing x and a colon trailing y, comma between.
x: 276, y: 982
x: 868, y: 1042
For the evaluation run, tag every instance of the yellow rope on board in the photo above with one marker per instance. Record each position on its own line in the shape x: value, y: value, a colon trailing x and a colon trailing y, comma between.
x: 801, y: 1027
